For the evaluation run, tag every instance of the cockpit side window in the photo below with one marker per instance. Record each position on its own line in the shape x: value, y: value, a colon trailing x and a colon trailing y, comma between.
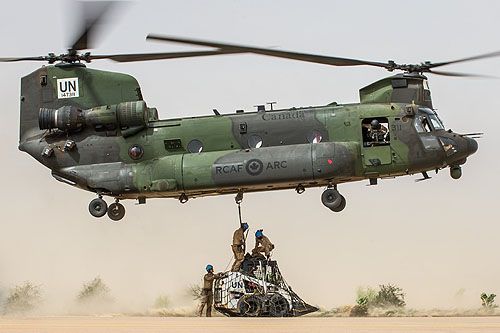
x: 422, y: 125
x: 425, y: 124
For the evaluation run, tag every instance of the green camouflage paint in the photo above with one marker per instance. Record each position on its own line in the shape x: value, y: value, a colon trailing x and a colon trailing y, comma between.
x: 122, y: 150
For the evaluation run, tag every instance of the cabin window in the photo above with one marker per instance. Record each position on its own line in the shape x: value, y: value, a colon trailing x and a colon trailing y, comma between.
x: 375, y: 131
x: 254, y: 141
x: 135, y: 152
x: 195, y: 146
x: 314, y: 137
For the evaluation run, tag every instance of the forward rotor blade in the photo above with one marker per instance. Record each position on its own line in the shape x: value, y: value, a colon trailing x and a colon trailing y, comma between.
x: 481, y: 56
x: 455, y: 74
x: 319, y: 59
x: 93, y: 12
x: 158, y: 56
x: 478, y: 134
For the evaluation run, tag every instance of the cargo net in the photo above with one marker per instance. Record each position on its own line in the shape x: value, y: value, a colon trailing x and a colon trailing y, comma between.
x: 258, y: 289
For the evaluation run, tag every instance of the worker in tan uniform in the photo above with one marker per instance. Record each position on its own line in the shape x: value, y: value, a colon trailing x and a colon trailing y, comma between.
x: 238, y: 246
x: 207, y: 294
x: 262, y: 244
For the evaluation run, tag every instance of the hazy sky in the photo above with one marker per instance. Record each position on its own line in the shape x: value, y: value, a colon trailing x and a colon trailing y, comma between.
x: 431, y: 238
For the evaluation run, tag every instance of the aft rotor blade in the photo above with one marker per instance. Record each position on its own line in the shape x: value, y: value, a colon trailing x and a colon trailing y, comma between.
x: 455, y: 74
x: 481, y: 56
x: 92, y: 12
x: 319, y: 59
x: 158, y: 56
x: 41, y: 58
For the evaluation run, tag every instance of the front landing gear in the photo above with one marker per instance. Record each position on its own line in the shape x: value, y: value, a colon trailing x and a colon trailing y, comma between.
x: 332, y: 199
x: 99, y: 208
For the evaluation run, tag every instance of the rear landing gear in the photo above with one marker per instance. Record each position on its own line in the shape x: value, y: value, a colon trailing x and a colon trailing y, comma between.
x: 332, y: 199
x: 340, y: 207
x: 116, y: 211
x: 99, y: 208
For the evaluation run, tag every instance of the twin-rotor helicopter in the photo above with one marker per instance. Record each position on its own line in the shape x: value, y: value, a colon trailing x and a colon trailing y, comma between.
x: 94, y: 131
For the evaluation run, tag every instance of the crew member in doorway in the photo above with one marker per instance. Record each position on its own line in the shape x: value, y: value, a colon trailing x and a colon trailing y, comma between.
x: 238, y: 246
x: 262, y: 245
x: 377, y: 132
x: 207, y: 294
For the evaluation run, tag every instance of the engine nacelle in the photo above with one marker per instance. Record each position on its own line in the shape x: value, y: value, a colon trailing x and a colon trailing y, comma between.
x: 66, y: 118
x: 128, y: 114
x: 72, y: 119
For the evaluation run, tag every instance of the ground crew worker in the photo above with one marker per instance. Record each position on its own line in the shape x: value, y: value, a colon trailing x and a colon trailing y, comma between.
x: 207, y: 294
x: 262, y: 244
x: 238, y: 246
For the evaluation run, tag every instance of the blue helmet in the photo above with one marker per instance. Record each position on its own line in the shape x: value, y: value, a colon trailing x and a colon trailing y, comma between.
x: 258, y: 233
x: 244, y: 226
x: 209, y: 267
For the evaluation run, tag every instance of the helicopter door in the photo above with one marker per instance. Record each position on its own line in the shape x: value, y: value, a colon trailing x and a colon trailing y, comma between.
x: 376, y: 148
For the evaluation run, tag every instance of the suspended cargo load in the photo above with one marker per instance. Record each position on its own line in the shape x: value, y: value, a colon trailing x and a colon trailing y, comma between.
x: 257, y: 290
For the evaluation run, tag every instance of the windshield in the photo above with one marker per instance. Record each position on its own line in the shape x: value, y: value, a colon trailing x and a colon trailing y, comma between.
x: 436, y: 123
x: 431, y: 117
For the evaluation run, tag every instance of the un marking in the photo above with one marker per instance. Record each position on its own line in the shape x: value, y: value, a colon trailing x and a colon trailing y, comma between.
x: 67, y: 88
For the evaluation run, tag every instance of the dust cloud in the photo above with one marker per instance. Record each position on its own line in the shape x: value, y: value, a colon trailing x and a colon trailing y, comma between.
x: 162, y: 248
x: 434, y: 239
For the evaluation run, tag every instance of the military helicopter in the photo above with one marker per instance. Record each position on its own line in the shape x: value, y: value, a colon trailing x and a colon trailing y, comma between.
x: 94, y: 131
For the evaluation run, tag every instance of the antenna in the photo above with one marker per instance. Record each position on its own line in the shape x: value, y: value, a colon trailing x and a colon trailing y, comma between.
x: 271, y: 103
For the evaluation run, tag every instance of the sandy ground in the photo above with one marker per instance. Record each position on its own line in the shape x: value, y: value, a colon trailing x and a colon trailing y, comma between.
x: 222, y: 324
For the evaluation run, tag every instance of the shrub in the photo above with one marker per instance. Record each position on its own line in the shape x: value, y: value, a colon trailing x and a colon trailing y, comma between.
x: 194, y: 291
x: 388, y: 296
x: 161, y: 302
x: 367, y: 293
x: 94, y: 290
x: 23, y: 298
x: 488, y: 301
x: 361, y: 309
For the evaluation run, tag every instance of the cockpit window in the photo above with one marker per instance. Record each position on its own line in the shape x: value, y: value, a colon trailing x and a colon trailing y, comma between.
x: 431, y: 117
x: 425, y: 124
x: 418, y: 125
x: 449, y: 145
x: 435, y: 122
x: 422, y: 125
x: 426, y: 84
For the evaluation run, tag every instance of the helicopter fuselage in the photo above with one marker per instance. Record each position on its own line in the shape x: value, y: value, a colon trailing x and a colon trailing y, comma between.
x: 94, y: 131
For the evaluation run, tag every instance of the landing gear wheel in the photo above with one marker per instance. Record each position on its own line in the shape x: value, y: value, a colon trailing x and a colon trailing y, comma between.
x: 98, y: 207
x: 331, y: 198
x: 278, y: 306
x: 250, y: 306
x: 341, y: 206
x: 116, y: 211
